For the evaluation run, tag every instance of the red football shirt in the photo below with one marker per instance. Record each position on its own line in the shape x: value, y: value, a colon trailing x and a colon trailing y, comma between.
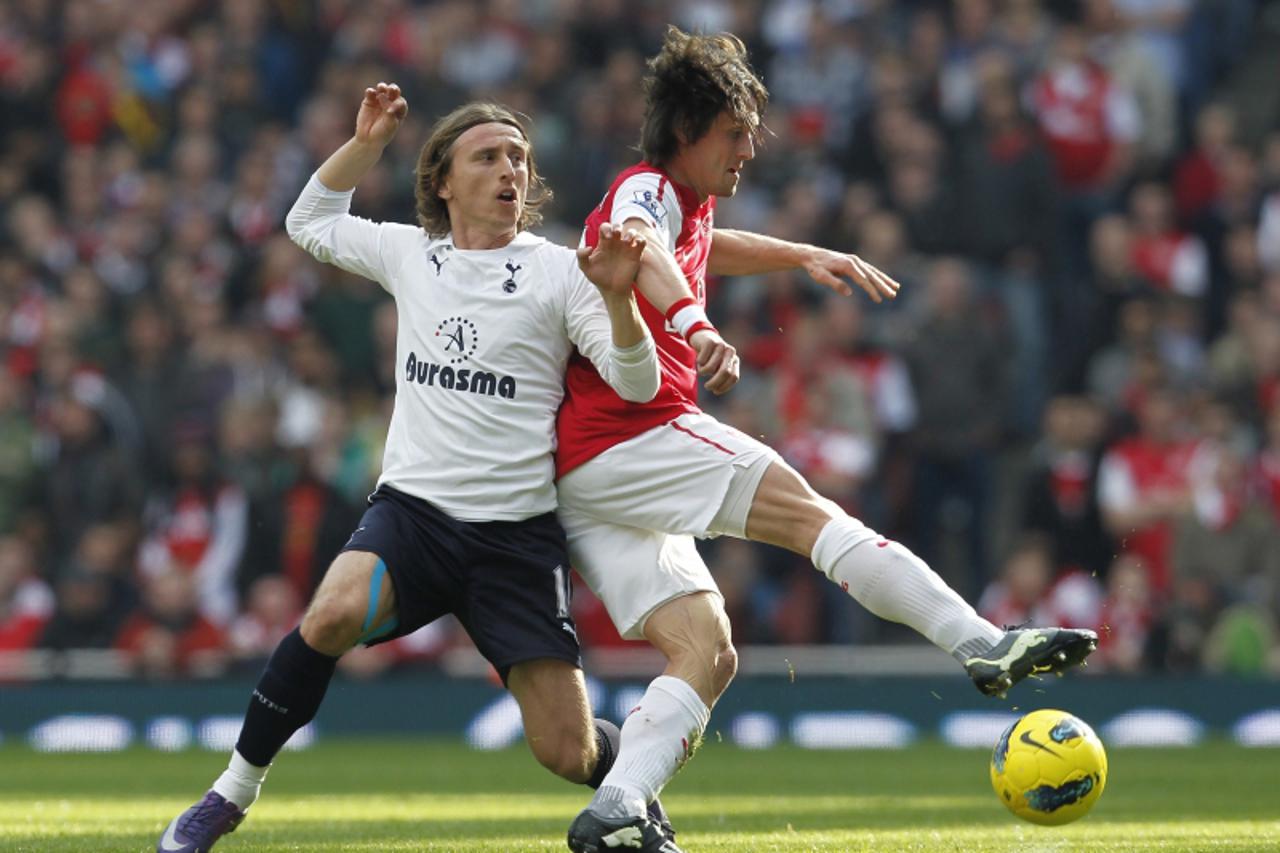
x: 593, y: 417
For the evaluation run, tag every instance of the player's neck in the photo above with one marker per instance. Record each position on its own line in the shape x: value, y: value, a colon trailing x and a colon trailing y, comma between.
x: 676, y: 171
x: 466, y: 236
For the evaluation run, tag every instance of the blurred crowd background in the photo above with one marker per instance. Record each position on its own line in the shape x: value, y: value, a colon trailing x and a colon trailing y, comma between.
x: 1072, y: 411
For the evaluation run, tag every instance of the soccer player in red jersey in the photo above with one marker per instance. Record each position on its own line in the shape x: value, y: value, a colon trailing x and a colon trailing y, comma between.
x: 637, y: 482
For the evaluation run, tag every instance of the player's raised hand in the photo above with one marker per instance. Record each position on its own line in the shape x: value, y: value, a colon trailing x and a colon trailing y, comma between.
x: 830, y: 269
x: 716, y: 359
x: 614, y: 262
x: 381, y: 112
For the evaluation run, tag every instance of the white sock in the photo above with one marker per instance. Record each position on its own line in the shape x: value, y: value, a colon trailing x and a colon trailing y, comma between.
x: 241, y: 781
x: 894, y: 584
x: 657, y: 738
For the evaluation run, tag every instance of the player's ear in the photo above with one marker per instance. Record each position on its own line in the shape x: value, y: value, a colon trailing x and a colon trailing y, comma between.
x: 444, y: 192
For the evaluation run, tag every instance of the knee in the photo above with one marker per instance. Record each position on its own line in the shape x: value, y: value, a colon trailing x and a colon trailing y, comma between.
x: 568, y: 757
x: 722, y: 661
x: 331, y: 625
x: 708, y: 663
x: 693, y: 633
x: 725, y: 668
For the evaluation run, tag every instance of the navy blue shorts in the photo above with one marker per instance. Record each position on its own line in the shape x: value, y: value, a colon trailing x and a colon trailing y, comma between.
x: 507, y: 582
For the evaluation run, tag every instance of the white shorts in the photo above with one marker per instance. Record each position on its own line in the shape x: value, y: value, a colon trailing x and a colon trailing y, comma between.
x: 632, y: 512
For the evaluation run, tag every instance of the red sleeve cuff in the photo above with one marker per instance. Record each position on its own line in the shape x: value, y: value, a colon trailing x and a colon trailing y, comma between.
x: 678, y: 304
x: 699, y: 326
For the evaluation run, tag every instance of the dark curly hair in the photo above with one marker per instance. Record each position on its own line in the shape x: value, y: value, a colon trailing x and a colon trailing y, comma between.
x: 436, y: 158
x: 690, y: 82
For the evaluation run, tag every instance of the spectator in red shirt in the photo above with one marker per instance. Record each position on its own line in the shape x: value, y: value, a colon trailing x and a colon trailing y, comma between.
x: 26, y: 602
x: 1090, y: 125
x: 271, y: 610
x: 1089, y: 122
x: 827, y: 423
x: 1020, y: 595
x: 1197, y: 178
x: 166, y: 636
x: 1127, y: 616
x: 199, y: 525
x: 1168, y: 258
x: 1143, y: 486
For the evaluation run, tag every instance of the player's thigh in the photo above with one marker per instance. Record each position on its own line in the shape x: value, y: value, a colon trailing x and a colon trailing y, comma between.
x: 674, y: 478
x: 552, y: 695
x: 516, y: 603
x: 425, y: 555
x: 356, y: 590
x: 787, y: 512
x: 633, y: 571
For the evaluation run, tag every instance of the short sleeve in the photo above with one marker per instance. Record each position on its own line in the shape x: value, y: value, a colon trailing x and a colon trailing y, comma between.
x: 650, y: 197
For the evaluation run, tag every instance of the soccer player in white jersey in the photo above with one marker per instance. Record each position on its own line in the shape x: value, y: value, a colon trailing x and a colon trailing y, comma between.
x: 638, y: 481
x: 462, y: 520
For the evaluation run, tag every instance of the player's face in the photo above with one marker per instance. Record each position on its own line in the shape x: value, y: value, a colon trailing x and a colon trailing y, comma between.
x: 713, y: 163
x: 488, y: 178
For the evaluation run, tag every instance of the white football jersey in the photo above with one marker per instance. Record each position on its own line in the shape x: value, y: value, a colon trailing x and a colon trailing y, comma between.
x: 481, y: 348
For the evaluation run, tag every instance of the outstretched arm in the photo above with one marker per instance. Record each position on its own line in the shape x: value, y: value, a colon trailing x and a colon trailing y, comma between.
x: 381, y: 112
x: 746, y: 253
x: 320, y: 220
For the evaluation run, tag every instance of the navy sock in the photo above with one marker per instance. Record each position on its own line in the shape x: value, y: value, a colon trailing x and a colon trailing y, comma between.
x: 608, y: 741
x: 287, y: 697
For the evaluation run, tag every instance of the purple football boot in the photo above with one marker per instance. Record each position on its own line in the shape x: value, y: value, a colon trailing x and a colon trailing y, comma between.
x: 198, y: 828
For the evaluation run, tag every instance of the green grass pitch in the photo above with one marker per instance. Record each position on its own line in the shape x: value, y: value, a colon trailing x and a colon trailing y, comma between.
x: 392, y: 795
